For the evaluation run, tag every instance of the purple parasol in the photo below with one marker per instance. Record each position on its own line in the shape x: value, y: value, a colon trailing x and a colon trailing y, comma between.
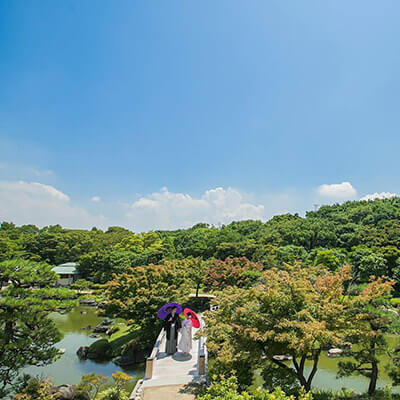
x: 166, y: 309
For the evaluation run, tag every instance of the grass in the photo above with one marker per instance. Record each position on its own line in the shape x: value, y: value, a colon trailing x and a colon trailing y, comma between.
x: 120, y: 338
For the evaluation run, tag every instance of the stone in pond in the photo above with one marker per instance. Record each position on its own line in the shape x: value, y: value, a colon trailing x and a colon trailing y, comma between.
x: 282, y: 358
x: 335, y: 352
x: 83, y: 352
x: 88, y: 302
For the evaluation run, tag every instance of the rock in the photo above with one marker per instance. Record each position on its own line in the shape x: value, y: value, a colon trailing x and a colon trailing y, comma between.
x: 106, y: 322
x: 133, y: 352
x: 100, y: 329
x: 94, y: 335
x: 61, y: 351
x: 123, y: 361
x: 335, y: 352
x: 83, y: 352
x: 282, y: 358
x: 64, y: 392
x: 88, y: 302
x: 138, y: 356
x: 101, y: 349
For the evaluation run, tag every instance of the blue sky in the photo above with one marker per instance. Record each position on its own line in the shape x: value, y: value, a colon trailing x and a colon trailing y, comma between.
x: 171, y: 112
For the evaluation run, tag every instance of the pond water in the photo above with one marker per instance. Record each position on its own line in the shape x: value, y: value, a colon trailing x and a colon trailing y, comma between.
x: 69, y: 368
x: 325, y: 378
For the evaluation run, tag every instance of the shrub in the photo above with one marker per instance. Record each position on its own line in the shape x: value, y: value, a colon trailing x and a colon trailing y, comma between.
x: 227, y: 389
x: 100, y: 349
x: 81, y: 284
x: 112, y: 394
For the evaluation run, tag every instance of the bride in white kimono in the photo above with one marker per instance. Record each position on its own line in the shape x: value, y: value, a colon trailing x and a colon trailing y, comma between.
x: 185, y: 344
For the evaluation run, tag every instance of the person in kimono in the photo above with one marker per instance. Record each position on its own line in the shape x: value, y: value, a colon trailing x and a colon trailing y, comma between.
x: 172, y: 325
x: 185, y: 344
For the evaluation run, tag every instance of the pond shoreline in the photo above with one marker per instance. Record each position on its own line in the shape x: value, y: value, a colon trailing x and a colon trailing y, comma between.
x: 69, y: 369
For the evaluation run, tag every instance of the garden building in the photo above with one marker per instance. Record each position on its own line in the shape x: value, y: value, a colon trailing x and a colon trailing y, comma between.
x: 67, y: 273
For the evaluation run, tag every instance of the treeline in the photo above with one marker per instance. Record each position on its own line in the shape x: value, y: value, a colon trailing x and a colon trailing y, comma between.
x: 365, y: 234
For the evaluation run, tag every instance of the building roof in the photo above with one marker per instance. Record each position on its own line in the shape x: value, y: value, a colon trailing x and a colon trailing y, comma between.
x: 67, y: 268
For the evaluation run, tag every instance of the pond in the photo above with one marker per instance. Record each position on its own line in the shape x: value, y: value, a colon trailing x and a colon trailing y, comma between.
x: 325, y: 378
x: 69, y: 368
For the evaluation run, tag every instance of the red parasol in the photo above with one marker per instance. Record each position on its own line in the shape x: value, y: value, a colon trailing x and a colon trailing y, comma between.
x: 193, y: 317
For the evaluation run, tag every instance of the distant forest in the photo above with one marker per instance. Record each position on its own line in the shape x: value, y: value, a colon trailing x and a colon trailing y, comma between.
x: 365, y: 234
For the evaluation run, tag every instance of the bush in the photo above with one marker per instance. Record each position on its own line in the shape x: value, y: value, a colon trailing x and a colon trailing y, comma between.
x: 81, y: 284
x: 112, y: 394
x: 227, y: 389
x: 101, y: 349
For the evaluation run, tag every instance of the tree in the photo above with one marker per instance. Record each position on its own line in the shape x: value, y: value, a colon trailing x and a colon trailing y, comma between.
x: 295, y: 311
x: 290, y: 254
x: 371, y: 321
x: 371, y: 265
x: 137, y: 294
x: 328, y: 259
x: 238, y: 272
x: 27, y: 335
x: 196, y: 269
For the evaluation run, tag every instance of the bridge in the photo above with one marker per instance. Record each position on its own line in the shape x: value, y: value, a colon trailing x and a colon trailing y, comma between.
x: 165, y: 375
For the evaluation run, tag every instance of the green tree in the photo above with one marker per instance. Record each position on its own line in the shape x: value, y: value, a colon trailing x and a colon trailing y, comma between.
x: 371, y: 265
x: 371, y: 322
x: 295, y: 311
x: 196, y: 269
x: 328, y: 259
x: 27, y: 335
x: 290, y: 254
x: 137, y: 295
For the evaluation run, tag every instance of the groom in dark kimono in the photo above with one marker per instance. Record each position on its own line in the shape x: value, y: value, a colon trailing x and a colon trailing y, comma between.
x: 172, y: 325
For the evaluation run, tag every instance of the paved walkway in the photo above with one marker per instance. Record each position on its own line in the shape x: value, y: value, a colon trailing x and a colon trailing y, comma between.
x: 173, y: 392
x: 175, y: 370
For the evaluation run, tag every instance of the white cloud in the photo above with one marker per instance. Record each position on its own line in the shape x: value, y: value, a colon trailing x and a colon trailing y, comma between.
x: 35, y: 203
x: 166, y: 210
x: 342, y: 190
x: 96, y: 199
x: 383, y: 195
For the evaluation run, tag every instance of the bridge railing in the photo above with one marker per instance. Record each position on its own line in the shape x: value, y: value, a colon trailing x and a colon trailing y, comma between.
x: 150, y: 360
x: 202, y: 361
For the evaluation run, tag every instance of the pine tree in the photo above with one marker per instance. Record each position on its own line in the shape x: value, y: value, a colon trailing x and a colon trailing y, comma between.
x: 27, y: 335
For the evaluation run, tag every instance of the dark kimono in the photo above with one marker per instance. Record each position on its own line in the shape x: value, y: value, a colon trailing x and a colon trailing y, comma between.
x: 172, y: 324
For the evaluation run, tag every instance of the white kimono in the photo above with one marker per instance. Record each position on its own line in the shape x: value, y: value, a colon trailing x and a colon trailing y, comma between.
x: 185, y: 344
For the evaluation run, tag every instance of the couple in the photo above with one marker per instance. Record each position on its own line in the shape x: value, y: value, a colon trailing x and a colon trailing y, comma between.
x: 173, y: 325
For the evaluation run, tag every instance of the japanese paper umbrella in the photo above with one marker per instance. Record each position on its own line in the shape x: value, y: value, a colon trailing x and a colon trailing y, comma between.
x: 166, y: 309
x: 193, y: 317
